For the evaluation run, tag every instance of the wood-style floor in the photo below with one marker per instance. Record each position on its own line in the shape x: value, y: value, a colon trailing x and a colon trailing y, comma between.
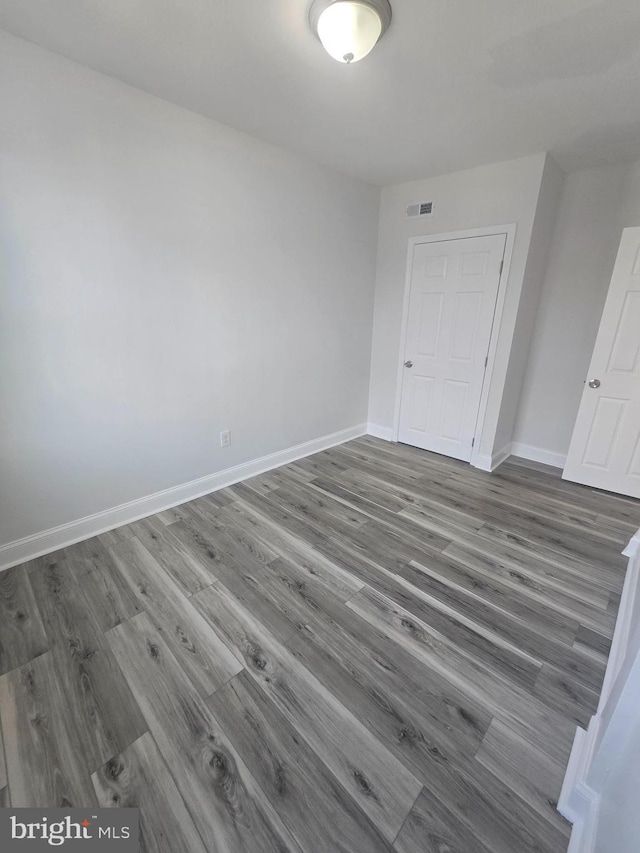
x: 372, y: 649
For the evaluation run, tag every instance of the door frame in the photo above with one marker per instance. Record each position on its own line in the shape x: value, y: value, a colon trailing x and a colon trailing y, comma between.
x: 509, y: 231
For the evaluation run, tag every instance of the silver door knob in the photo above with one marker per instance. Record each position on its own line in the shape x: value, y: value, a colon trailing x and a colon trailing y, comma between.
x: 408, y: 364
x: 594, y: 383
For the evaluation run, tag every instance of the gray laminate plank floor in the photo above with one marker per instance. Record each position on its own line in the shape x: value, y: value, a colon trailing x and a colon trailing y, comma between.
x: 139, y: 778
x: 372, y: 649
x: 22, y: 635
x: 3, y: 765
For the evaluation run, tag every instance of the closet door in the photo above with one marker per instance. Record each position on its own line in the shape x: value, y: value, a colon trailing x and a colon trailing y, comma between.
x: 454, y: 287
x: 605, y: 446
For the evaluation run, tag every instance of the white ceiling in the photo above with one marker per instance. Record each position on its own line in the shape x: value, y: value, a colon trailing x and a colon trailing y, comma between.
x: 453, y: 83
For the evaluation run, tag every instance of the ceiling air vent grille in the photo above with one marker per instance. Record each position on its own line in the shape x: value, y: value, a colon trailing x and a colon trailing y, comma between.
x: 423, y: 208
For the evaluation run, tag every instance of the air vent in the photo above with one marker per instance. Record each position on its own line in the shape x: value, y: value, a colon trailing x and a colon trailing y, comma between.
x: 424, y: 208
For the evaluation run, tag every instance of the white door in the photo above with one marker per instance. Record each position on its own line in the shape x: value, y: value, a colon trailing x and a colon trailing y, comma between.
x: 454, y: 287
x: 605, y: 446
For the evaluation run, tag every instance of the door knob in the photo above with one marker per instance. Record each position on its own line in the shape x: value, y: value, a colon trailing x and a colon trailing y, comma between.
x: 594, y: 383
x: 410, y: 364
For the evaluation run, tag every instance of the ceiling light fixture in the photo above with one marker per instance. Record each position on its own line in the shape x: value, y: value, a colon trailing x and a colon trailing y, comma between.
x: 349, y: 29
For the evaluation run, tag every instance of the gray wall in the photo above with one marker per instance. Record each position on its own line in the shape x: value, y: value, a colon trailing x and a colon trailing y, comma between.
x: 163, y: 278
x: 541, y: 238
x: 583, y: 252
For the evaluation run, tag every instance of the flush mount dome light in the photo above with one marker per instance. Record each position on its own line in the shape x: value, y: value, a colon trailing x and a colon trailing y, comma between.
x: 349, y: 29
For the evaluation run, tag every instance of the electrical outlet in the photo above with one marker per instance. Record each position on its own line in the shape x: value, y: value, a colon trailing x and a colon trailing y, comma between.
x: 225, y: 438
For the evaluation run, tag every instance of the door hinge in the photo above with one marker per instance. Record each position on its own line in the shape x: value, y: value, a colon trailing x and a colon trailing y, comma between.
x: 486, y: 361
x: 501, y: 266
x: 473, y: 441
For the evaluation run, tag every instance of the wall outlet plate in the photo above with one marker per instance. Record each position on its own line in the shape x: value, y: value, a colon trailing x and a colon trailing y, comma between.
x: 225, y: 438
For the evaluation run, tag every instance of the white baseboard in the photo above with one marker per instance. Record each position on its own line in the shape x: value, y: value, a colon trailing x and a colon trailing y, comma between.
x: 538, y: 454
x: 376, y: 431
x: 578, y: 802
x: 47, y: 541
x: 483, y: 462
x: 575, y: 796
x: 585, y: 829
x: 625, y: 621
x: 501, y: 456
x: 486, y: 462
x: 572, y: 777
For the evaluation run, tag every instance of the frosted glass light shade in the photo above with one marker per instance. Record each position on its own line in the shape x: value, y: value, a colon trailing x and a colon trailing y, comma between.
x: 349, y: 30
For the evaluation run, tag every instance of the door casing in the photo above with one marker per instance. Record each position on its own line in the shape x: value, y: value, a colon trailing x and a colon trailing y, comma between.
x: 510, y: 232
